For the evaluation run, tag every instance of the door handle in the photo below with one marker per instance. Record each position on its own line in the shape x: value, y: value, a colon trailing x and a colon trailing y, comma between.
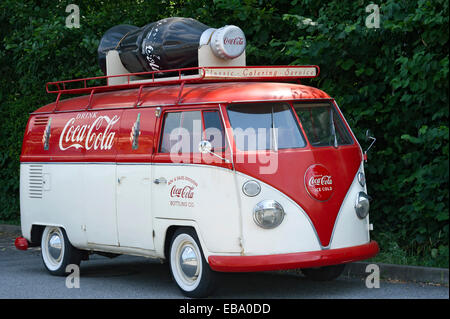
x: 160, y: 180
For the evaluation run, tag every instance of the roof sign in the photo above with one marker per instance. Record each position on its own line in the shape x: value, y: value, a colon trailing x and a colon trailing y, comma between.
x: 261, y: 72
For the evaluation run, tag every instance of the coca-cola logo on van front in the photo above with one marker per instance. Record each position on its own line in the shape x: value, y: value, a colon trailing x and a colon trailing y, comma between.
x: 319, y: 182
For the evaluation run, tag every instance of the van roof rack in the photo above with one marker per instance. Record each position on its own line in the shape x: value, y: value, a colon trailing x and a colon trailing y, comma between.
x: 140, y: 80
x: 205, y: 74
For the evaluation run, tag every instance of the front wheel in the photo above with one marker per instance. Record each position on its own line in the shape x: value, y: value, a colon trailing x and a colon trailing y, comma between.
x: 326, y: 273
x: 188, y: 266
x: 57, y: 251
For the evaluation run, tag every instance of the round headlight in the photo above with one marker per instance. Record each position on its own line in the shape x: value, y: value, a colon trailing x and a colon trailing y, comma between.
x: 361, y: 179
x: 362, y: 205
x: 251, y: 188
x: 268, y: 214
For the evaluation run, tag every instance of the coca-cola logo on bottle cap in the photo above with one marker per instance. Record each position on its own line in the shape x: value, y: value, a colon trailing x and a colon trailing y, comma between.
x: 319, y: 182
x: 228, y: 42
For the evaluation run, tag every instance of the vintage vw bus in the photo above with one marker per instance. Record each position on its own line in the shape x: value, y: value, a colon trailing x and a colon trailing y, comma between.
x: 227, y: 169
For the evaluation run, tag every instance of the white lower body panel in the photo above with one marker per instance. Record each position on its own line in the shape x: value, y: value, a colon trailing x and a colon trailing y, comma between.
x: 118, y: 208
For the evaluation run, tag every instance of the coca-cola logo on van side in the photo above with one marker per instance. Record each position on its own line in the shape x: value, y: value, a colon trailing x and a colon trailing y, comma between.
x: 182, y: 191
x: 319, y: 182
x: 97, y: 134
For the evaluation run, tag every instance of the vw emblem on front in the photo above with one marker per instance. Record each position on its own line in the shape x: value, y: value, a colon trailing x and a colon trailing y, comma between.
x: 319, y: 182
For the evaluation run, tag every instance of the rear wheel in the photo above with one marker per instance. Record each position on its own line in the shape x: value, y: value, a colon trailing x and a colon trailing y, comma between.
x: 326, y: 273
x: 57, y: 251
x: 188, y: 266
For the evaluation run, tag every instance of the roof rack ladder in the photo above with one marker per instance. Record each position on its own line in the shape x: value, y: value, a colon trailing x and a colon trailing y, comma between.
x: 179, y: 93
x: 139, y: 96
x: 90, y: 100
x: 56, y: 103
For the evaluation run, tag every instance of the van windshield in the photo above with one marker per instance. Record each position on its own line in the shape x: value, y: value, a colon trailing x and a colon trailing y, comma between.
x: 264, y: 126
x: 322, y: 124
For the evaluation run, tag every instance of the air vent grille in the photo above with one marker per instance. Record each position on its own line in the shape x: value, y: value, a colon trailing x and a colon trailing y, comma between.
x: 40, y: 120
x: 35, y: 182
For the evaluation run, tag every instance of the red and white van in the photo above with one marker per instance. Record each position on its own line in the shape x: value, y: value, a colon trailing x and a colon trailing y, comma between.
x: 233, y: 170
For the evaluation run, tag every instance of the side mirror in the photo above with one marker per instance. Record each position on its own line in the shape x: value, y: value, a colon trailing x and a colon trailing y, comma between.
x: 205, y: 147
x: 369, y: 137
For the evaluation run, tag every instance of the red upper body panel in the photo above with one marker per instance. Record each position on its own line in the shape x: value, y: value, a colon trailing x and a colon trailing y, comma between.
x: 120, y: 105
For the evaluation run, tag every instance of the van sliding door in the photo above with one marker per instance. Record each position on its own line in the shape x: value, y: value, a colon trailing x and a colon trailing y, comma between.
x: 134, y: 216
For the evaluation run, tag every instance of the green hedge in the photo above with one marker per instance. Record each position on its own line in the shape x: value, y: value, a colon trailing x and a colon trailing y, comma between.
x: 392, y: 80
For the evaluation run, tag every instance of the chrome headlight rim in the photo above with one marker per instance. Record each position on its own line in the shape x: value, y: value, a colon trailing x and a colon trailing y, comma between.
x: 247, y: 192
x: 362, y: 205
x: 268, y: 205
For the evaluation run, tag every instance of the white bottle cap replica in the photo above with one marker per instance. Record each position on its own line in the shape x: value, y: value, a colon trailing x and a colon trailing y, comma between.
x: 227, y: 42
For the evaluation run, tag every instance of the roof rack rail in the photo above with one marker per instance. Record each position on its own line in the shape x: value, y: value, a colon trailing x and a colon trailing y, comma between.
x: 205, y: 74
x: 179, y: 76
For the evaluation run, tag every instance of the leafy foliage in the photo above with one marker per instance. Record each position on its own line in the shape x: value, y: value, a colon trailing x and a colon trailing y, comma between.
x: 393, y: 80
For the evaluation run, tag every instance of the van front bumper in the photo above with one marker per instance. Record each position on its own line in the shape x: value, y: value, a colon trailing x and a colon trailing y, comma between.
x: 308, y: 259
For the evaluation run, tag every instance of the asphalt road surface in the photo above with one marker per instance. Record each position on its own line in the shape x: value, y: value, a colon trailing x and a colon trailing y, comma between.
x: 22, y: 275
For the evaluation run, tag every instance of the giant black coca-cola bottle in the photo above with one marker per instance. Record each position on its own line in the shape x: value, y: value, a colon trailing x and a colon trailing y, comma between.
x: 170, y: 43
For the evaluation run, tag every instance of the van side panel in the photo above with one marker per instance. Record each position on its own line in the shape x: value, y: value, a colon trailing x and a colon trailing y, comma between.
x: 53, y: 194
x: 72, y: 182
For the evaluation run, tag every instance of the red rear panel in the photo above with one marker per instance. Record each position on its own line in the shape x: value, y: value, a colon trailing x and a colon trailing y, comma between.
x: 74, y: 137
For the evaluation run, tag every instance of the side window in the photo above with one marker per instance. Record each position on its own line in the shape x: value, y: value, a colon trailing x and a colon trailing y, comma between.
x: 322, y: 124
x: 213, y: 130
x: 171, y: 123
x: 190, y: 133
x: 183, y: 131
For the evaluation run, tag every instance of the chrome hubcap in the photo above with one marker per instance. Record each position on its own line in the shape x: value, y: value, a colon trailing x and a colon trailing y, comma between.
x: 55, y: 246
x: 189, y: 263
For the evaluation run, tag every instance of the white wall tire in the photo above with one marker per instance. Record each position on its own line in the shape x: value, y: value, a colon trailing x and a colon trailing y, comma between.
x: 189, y: 269
x: 57, y: 252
